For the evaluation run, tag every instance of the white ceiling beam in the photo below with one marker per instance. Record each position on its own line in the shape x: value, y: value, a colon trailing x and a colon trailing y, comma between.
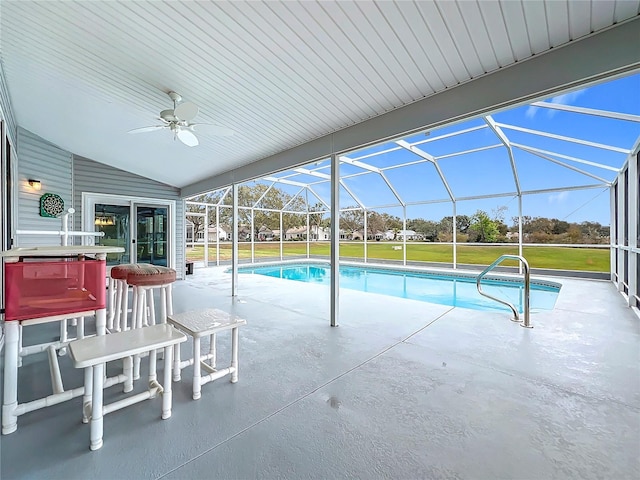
x: 473, y: 150
x: 392, y: 188
x: 350, y: 192
x: 313, y: 173
x: 571, y: 167
x: 375, y: 154
x: 566, y: 157
x: 285, y: 181
x: 293, y: 197
x: 431, y: 158
x: 415, y: 162
x: 505, y: 141
x: 224, y: 194
x: 562, y: 137
x: 313, y: 192
x: 264, y: 194
x: 605, y: 54
x: 588, y: 111
x: 356, y: 163
x: 452, y: 134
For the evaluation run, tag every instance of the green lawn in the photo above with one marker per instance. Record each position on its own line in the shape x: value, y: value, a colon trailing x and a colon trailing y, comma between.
x: 559, y: 258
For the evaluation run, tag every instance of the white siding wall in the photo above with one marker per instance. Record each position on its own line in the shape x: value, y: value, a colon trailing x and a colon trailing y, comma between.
x: 90, y: 176
x: 51, y: 165
x: 68, y: 176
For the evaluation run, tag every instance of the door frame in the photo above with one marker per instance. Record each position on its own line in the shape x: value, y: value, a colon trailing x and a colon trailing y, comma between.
x: 90, y: 199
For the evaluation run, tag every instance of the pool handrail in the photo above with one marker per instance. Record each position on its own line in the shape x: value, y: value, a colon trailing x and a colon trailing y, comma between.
x: 516, y: 315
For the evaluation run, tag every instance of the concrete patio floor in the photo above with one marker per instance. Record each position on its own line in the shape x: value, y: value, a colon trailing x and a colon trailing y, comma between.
x: 401, y: 389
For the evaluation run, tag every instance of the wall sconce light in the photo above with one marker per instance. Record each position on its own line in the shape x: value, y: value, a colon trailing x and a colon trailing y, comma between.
x: 35, y: 184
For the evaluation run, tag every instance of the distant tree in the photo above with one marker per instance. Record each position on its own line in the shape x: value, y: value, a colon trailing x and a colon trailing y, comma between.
x: 351, y: 220
x: 482, y: 229
x: 428, y: 228
x: 376, y: 223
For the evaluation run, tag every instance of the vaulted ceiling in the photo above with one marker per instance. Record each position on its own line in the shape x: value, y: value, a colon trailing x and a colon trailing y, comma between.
x: 279, y: 74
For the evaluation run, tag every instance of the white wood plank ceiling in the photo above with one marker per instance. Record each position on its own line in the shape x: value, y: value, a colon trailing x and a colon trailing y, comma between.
x: 81, y: 74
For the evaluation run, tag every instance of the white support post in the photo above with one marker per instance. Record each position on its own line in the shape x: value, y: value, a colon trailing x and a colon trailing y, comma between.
x: 613, y: 229
x: 253, y: 229
x: 281, y: 236
x: 335, y: 240
x: 404, y: 237
x: 234, y: 242
x: 206, y: 235
x: 520, y: 231
x: 621, y: 206
x: 632, y: 208
x: 455, y: 237
x: 217, y: 235
x: 366, y: 234
x: 308, y: 234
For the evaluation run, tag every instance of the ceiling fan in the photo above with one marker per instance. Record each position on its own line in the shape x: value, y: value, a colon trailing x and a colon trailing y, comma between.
x: 178, y: 120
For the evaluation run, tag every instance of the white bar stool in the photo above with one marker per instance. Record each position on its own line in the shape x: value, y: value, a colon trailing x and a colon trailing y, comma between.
x: 198, y: 324
x: 144, y: 278
x: 119, y: 305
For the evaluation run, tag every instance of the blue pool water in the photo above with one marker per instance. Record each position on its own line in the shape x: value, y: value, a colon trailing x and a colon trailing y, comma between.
x: 444, y: 288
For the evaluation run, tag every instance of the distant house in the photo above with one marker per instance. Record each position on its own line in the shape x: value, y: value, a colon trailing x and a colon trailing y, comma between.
x: 296, y: 233
x: 377, y: 236
x: 217, y: 233
x: 408, y: 235
x: 265, y: 234
x: 244, y: 233
x: 345, y: 235
x: 319, y: 233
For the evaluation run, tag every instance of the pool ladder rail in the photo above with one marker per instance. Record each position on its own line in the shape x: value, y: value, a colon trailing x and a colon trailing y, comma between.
x: 516, y: 316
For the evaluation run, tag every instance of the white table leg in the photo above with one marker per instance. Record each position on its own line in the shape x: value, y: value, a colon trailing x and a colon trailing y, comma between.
x: 101, y: 322
x: 176, y: 363
x: 11, y: 354
x: 123, y: 309
x: 166, y: 393
x: 234, y: 354
x: 88, y: 390
x: 127, y: 370
x: 96, y: 407
x: 212, y: 350
x: 152, y: 366
x: 152, y: 308
x: 196, y: 368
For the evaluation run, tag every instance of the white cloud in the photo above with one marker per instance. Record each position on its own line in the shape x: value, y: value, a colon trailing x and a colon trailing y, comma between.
x: 531, y: 112
x: 558, y: 197
x: 568, y: 98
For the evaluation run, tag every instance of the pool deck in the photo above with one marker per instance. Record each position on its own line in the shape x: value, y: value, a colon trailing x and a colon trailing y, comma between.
x: 401, y: 389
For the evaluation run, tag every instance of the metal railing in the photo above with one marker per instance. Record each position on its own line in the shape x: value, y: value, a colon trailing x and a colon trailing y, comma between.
x: 516, y: 315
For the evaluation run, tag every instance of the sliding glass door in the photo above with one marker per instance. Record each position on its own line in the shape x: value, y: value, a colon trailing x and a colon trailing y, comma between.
x: 151, y: 234
x: 141, y: 226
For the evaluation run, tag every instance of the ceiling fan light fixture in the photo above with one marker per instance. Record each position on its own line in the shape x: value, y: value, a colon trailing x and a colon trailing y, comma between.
x: 186, y: 137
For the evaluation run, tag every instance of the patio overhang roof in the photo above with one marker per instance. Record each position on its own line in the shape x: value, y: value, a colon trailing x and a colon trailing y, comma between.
x: 296, y: 81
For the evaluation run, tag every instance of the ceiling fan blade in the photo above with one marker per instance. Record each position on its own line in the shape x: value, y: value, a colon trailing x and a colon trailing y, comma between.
x: 187, y: 137
x: 212, y: 129
x: 186, y: 111
x: 147, y: 129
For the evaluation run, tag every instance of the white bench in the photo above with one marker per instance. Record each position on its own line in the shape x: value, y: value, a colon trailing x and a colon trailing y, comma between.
x: 199, y: 324
x: 92, y: 354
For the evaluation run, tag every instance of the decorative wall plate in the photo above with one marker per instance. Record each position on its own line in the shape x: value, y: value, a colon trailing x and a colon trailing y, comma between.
x: 51, y: 205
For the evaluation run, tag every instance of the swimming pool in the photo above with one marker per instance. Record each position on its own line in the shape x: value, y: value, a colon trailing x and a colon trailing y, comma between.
x: 455, y: 289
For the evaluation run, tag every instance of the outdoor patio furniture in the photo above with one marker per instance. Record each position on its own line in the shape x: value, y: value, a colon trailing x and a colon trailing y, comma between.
x: 198, y: 324
x: 144, y: 278
x: 93, y: 353
x: 45, y: 285
x: 119, y: 298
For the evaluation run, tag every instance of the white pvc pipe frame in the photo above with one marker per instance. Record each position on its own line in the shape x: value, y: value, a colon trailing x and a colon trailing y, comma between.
x: 11, y: 409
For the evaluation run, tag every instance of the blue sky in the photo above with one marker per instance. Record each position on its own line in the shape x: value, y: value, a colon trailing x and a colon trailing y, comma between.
x: 489, y: 171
